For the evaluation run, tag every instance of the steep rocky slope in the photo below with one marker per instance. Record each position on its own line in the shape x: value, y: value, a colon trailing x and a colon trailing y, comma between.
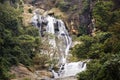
x: 75, y: 13
x: 68, y: 10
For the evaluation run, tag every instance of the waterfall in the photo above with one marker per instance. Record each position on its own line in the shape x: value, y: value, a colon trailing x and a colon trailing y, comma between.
x: 50, y: 30
x: 37, y: 20
x: 66, y: 41
x: 59, y: 38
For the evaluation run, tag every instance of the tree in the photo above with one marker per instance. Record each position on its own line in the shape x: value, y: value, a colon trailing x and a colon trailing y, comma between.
x: 17, y: 43
x: 102, y: 14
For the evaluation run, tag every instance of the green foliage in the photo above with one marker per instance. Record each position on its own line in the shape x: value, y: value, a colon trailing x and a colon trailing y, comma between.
x: 112, y: 45
x: 41, y: 60
x: 95, y: 51
x: 74, y: 7
x: 30, y: 30
x: 105, y: 50
x: 83, y: 29
x: 30, y: 10
x: 104, y: 16
x: 17, y: 43
x: 102, y: 36
x: 85, y: 7
x: 92, y: 69
x: 64, y: 6
x: 101, y: 13
x: 92, y: 47
x: 88, y: 40
x: 115, y: 28
x: 82, y: 49
x: 109, y: 70
x: 1, y: 1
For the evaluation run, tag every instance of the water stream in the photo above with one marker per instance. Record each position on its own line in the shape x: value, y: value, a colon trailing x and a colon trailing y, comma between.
x: 59, y: 38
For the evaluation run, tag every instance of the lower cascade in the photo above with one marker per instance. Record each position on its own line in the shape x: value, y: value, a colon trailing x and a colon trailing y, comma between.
x: 60, y: 42
x: 69, y: 69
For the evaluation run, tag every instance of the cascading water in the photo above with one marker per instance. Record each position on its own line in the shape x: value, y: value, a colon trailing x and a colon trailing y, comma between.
x: 61, y: 40
x: 37, y: 20
x: 71, y: 69
x: 66, y: 42
x: 66, y: 69
x: 50, y: 30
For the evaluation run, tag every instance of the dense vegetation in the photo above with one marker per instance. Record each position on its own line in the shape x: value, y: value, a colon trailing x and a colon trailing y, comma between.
x: 104, y: 48
x: 18, y: 43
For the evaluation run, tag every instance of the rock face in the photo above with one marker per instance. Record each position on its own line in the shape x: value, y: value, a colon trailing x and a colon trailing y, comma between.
x: 21, y: 73
x: 26, y: 14
x: 75, y: 13
x: 117, y: 4
x: 70, y: 15
x: 86, y: 17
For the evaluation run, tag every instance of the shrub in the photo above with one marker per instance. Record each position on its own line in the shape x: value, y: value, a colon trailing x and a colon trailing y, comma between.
x: 30, y: 10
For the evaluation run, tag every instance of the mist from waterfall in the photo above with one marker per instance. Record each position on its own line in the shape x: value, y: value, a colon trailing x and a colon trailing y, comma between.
x: 59, y: 40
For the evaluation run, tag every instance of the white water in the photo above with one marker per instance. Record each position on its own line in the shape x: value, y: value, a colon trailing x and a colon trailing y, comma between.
x: 37, y: 20
x: 62, y: 41
x: 66, y: 40
x: 51, y: 31
x: 71, y: 69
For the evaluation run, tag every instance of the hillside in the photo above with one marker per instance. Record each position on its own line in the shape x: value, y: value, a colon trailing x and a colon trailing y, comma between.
x: 93, y: 25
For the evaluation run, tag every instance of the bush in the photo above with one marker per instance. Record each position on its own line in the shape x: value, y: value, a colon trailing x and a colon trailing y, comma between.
x: 30, y: 10
x: 82, y: 50
x: 92, y: 69
x: 96, y: 51
x: 108, y: 70
x: 17, y: 44
x: 64, y: 6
